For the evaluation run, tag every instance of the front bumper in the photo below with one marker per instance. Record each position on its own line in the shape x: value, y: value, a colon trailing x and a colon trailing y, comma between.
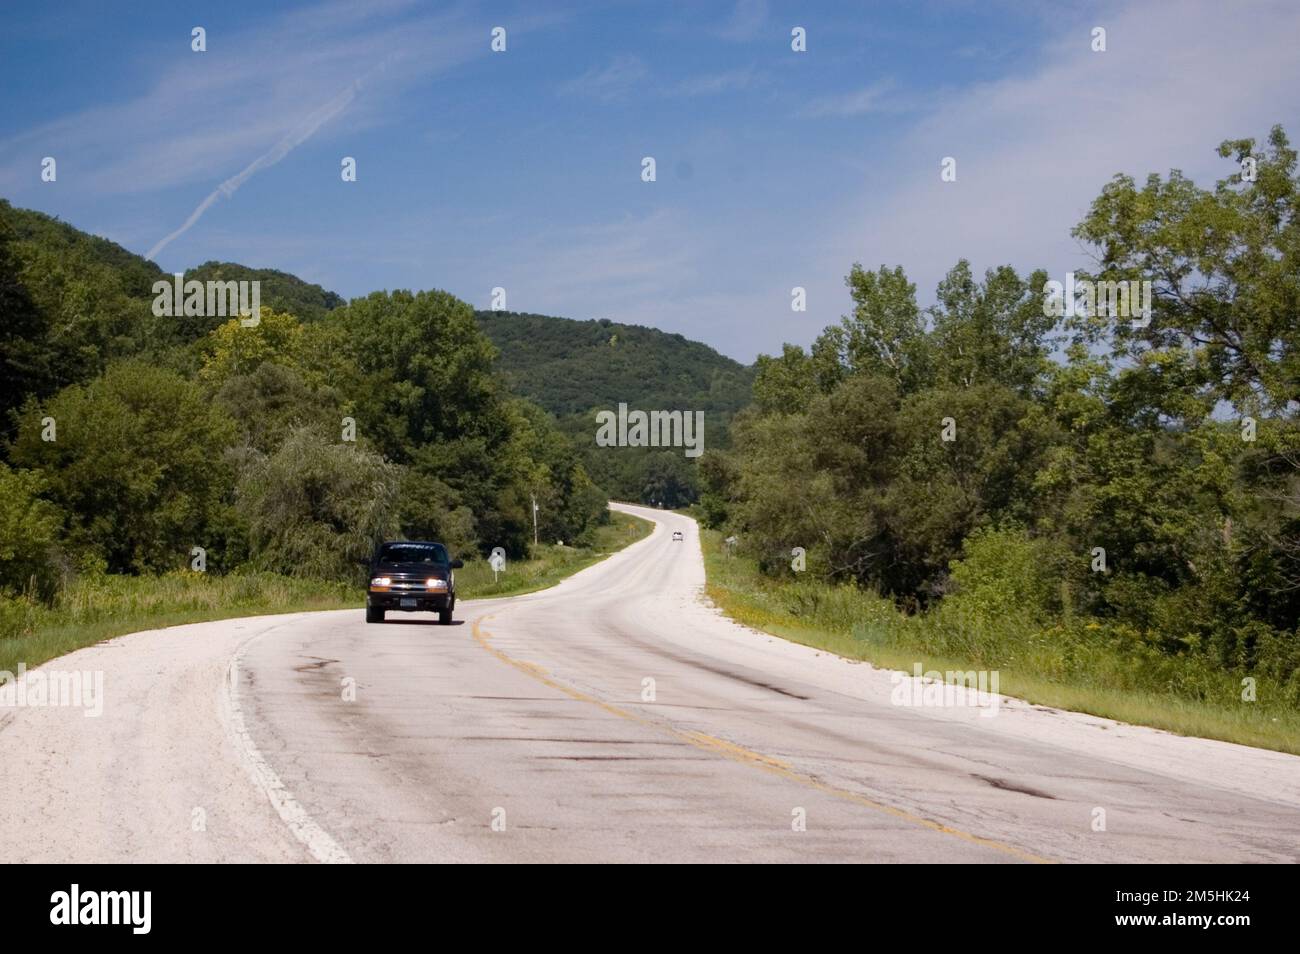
x: 411, y: 598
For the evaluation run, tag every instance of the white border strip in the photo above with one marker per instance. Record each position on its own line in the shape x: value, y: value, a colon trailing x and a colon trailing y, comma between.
x: 318, y: 842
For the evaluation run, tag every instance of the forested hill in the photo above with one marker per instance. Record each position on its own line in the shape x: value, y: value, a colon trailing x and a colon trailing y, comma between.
x: 73, y: 303
x: 136, y: 274
x: 279, y: 290
x: 573, y: 368
x: 570, y: 367
x: 131, y: 435
x: 566, y: 366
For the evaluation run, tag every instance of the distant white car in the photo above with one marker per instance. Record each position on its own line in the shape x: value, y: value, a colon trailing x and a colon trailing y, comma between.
x: 677, y: 535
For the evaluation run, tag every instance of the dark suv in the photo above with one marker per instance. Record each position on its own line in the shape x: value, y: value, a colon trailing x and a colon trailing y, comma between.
x: 411, y: 575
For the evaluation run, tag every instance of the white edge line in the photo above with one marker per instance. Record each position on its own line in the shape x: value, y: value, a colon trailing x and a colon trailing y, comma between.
x: 317, y: 841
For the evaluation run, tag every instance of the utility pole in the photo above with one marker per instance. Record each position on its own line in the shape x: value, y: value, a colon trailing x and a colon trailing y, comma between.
x: 534, y: 521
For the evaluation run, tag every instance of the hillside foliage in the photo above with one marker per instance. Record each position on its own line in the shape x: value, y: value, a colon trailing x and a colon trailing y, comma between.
x: 575, y: 368
x: 1135, y: 483
x: 133, y: 442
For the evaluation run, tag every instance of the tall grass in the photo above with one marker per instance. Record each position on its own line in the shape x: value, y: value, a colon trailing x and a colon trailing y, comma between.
x: 97, y: 607
x: 1080, y: 665
x: 547, y: 563
x: 100, y: 606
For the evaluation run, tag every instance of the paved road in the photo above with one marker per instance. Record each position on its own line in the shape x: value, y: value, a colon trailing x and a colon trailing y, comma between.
x: 612, y: 718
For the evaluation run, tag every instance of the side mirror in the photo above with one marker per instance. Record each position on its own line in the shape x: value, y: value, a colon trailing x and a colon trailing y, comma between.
x: 457, y: 564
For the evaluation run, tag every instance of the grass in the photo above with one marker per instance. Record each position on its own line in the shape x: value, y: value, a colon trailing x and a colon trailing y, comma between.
x: 95, y: 608
x: 549, y: 564
x: 1074, y: 667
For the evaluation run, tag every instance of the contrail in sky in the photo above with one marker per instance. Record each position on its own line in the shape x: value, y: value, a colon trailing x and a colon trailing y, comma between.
x: 296, y: 137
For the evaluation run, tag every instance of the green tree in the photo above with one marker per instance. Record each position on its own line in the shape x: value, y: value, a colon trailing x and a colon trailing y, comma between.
x: 137, y: 464
x: 428, y: 371
x: 814, y: 480
x: 64, y: 311
x: 995, y: 331
x: 784, y: 384
x: 234, y: 348
x: 1225, y: 265
x: 315, y: 507
x: 24, y: 365
x: 270, y: 402
x: 29, y: 535
x: 1006, y: 574
x: 885, y: 335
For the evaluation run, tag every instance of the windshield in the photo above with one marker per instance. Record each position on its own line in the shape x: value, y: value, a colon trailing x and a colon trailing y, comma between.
x: 413, y: 553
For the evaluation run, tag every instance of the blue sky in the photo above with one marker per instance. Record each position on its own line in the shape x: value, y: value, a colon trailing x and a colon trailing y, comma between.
x: 522, y: 169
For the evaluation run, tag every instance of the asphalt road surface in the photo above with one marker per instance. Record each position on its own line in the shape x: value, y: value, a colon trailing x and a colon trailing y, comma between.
x: 615, y: 717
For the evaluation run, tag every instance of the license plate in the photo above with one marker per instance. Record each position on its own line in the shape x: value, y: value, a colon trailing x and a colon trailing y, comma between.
x: 410, y: 603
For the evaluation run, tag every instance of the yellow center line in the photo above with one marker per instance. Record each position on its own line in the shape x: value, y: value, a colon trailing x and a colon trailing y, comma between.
x: 738, y: 753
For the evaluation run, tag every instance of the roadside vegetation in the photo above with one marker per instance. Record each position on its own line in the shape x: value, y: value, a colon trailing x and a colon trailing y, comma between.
x: 95, y: 607
x: 289, y: 445
x: 575, y: 368
x: 1104, y: 506
x: 1075, y: 666
x: 548, y: 564
x: 138, y: 449
x: 99, y: 606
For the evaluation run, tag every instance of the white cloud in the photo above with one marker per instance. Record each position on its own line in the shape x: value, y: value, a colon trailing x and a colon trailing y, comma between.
x: 877, y: 97
x: 203, y: 116
x: 607, y: 266
x: 627, y: 74
x: 611, y: 82
x: 710, y: 84
x: 1033, y: 151
x: 296, y: 137
x: 659, y: 270
x: 746, y: 22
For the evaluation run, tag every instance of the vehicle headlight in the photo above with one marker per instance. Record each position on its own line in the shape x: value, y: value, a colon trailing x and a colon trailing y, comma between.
x: 381, y: 581
x: 436, y: 583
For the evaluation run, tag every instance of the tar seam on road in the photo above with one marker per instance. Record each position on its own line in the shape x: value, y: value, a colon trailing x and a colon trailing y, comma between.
x: 746, y: 756
x: 317, y: 841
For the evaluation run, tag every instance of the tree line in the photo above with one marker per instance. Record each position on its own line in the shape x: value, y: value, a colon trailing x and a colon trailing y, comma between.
x: 291, y: 445
x: 1138, y: 481
x: 577, y: 368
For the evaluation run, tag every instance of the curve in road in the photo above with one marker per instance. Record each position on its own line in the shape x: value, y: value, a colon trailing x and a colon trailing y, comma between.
x: 614, y: 717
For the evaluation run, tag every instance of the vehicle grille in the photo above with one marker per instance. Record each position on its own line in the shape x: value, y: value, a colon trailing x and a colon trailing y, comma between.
x: 410, y: 584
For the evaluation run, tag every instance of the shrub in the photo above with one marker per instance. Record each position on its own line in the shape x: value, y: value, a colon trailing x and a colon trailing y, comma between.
x: 137, y: 463
x: 1005, y: 573
x: 315, y: 508
x: 29, y: 528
